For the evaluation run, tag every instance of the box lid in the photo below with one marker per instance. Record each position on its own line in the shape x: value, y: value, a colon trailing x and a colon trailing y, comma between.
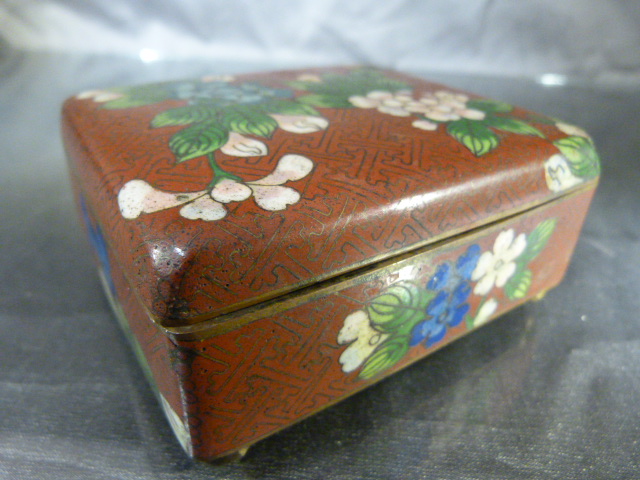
x: 223, y: 192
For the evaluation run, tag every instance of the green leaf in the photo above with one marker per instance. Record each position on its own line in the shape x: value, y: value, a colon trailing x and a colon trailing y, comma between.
x: 399, y: 308
x: 129, y: 102
x: 299, y: 85
x: 536, y: 118
x: 354, y: 82
x: 197, y: 140
x: 250, y: 121
x: 513, y: 125
x: 325, y: 101
x: 474, y: 135
x: 518, y: 285
x: 386, y: 355
x: 538, y: 239
x: 183, y: 116
x: 147, y: 90
x: 489, y: 106
x: 468, y: 319
x: 287, y: 107
x: 581, y: 155
x: 138, y: 96
x: 335, y: 88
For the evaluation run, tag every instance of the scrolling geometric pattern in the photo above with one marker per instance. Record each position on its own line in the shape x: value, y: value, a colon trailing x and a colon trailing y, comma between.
x: 262, y: 376
x: 258, y: 378
x: 380, y: 183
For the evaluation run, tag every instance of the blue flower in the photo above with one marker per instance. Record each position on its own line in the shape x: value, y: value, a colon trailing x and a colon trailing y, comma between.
x: 99, y: 244
x: 440, y: 278
x: 449, y: 306
x: 225, y: 94
x: 467, y: 262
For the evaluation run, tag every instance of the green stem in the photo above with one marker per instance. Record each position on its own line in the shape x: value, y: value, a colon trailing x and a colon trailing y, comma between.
x: 219, y: 174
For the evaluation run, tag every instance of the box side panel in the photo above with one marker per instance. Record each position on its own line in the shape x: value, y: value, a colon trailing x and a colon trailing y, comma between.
x: 165, y: 365
x: 162, y: 362
x: 253, y: 380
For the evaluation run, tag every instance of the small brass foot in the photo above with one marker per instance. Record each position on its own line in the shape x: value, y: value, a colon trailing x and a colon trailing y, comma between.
x: 231, y: 457
x: 540, y: 296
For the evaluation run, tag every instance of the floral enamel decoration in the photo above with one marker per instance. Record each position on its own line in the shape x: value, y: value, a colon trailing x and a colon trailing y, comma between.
x: 450, y: 305
x: 475, y: 123
x: 217, y: 115
x: 440, y: 106
x: 498, y: 266
x: 99, y: 243
x: 558, y: 174
x: 99, y: 96
x: 362, y: 339
x: 472, y: 122
x: 485, y: 311
x: 409, y: 315
x: 571, y: 130
x: 576, y: 162
x: 138, y: 197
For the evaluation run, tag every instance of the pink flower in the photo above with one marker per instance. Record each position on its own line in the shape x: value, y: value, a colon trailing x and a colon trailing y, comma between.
x: 300, y: 123
x: 240, y: 146
x: 572, y: 130
x: 137, y: 196
x: 267, y: 191
x: 99, y: 96
x: 203, y: 208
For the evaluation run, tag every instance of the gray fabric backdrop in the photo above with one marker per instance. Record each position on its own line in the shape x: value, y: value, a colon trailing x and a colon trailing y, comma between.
x: 594, y: 38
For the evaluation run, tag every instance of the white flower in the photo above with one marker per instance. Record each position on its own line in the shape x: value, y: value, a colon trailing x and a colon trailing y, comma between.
x: 267, y: 191
x: 572, y: 130
x: 300, y: 123
x: 451, y: 97
x: 558, y: 174
x: 391, y: 109
x: 498, y: 266
x: 363, y: 102
x: 241, y: 146
x: 137, y: 197
x: 425, y: 125
x: 440, y: 106
x: 486, y: 310
x: 385, y: 102
x: 363, y: 339
x: 444, y: 106
x: 472, y: 114
x: 100, y: 96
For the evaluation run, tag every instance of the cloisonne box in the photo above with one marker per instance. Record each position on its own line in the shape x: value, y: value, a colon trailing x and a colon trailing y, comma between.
x: 273, y: 243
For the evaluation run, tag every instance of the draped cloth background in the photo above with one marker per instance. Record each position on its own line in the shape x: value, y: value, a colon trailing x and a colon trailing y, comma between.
x: 594, y: 38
